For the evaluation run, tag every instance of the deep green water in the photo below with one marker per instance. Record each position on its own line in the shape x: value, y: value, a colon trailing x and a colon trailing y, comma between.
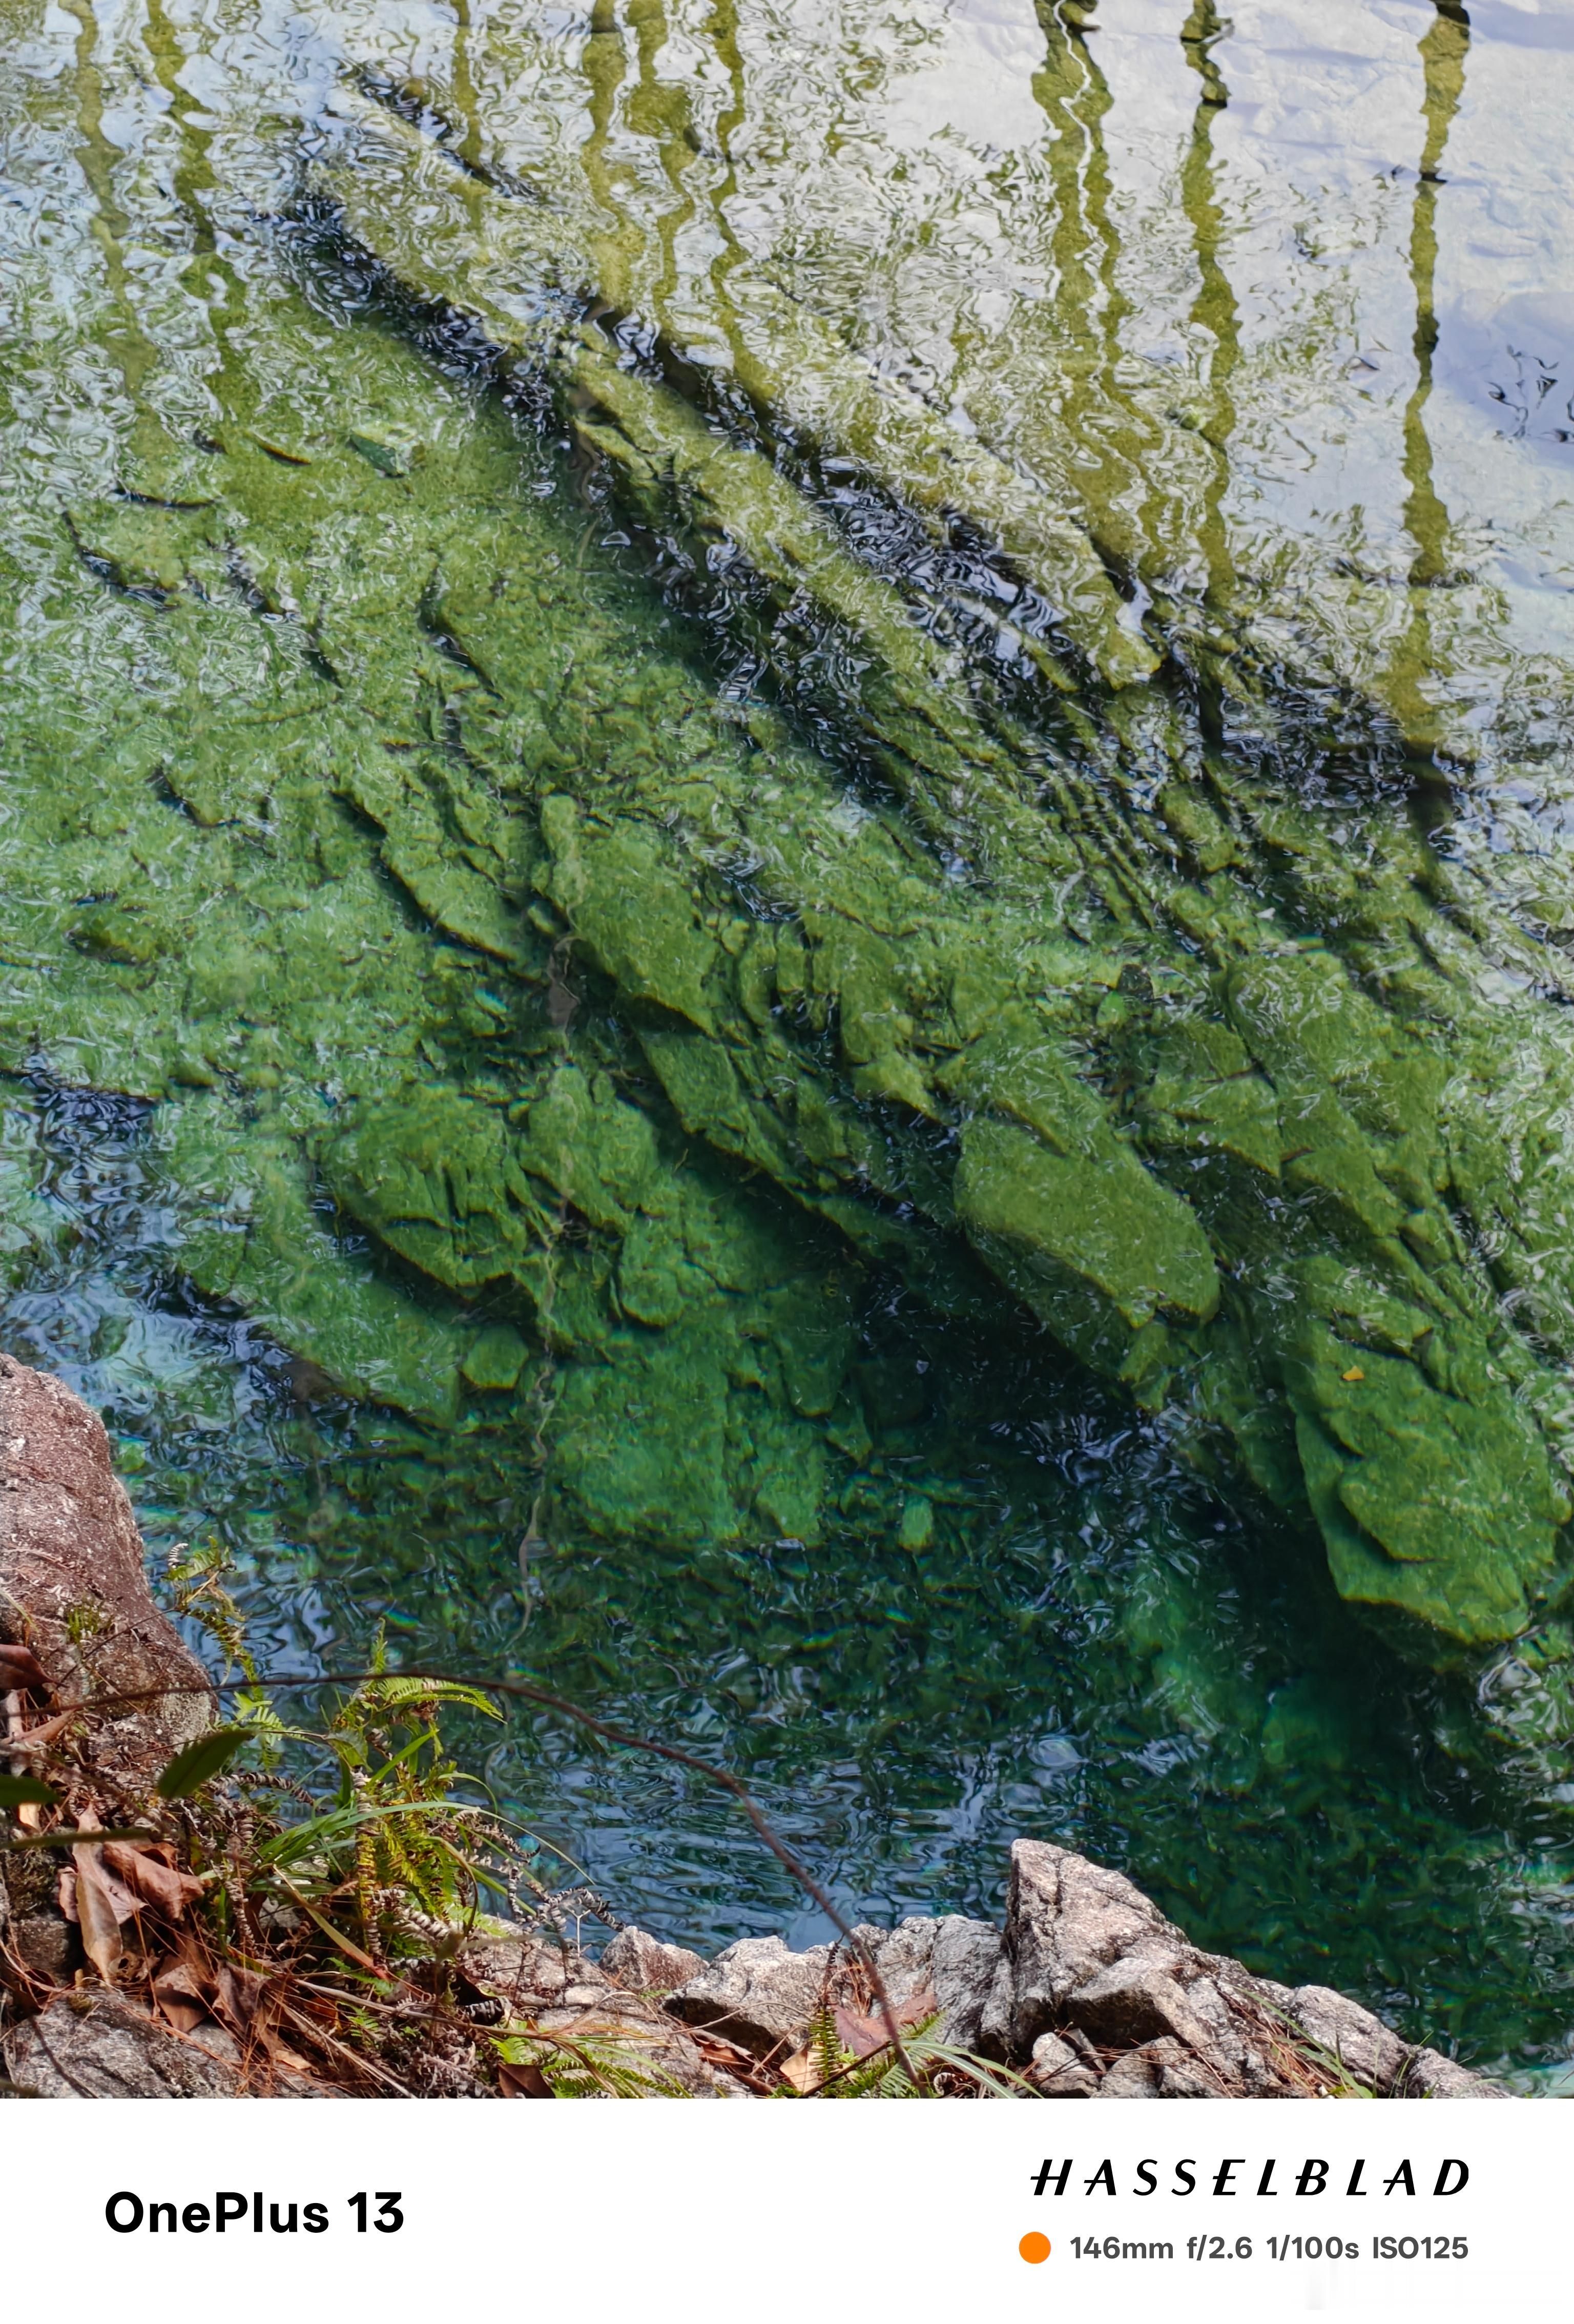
x: 532, y: 1012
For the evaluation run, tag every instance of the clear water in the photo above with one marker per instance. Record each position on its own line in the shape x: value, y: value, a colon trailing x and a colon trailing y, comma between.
x: 294, y: 575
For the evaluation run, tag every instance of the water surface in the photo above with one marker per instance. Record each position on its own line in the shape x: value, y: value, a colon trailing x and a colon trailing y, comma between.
x: 346, y: 1187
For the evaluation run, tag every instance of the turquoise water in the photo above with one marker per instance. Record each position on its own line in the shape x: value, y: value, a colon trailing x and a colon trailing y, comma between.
x: 343, y: 1172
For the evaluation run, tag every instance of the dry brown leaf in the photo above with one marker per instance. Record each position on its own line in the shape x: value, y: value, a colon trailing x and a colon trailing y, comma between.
x: 154, y: 1882
x: 21, y: 1671
x: 39, y: 1739
x: 182, y: 1991
x: 523, y: 2082
x: 863, y: 2035
x: 185, y: 2017
x: 238, y: 2001
x: 96, y: 1912
x: 801, y: 2073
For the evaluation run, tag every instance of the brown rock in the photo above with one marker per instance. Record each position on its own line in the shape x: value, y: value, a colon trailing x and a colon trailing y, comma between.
x: 643, y: 1964
x: 73, y: 1588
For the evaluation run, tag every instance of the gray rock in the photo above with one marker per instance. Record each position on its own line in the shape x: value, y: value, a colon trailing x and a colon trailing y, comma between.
x: 1067, y: 1921
x: 1134, y: 2076
x: 524, y: 1966
x: 633, y: 2031
x: 643, y: 1964
x: 757, y: 1994
x: 1135, y: 2000
x: 996, y: 2035
x: 103, y: 2046
x: 906, y: 1959
x: 1182, y: 2074
x: 1165, y: 2069
x: 1089, y: 1956
x: 47, y: 1946
x: 1056, y: 2071
x: 1371, y: 2051
x: 1428, y: 2074
x: 954, y: 1958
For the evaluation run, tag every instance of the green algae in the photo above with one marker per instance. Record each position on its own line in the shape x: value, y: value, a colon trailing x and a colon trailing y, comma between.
x: 914, y: 1056
x: 1346, y: 1171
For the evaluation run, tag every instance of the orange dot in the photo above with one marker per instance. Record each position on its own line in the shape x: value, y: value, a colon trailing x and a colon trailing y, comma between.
x: 1035, y: 2248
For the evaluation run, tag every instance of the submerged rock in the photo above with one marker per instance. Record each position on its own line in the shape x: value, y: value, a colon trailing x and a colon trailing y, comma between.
x: 1071, y: 1015
x: 1227, y: 1114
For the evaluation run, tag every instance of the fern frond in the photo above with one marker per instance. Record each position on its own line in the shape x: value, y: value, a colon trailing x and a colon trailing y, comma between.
x: 589, y: 2065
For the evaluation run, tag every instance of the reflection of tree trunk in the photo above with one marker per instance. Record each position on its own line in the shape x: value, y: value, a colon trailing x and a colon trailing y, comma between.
x: 602, y: 63
x: 469, y: 144
x: 1442, y: 57
x: 654, y: 109
x: 1214, y: 306
x: 1088, y: 306
x: 123, y: 338
x: 723, y: 27
x: 660, y: 110
x: 193, y: 180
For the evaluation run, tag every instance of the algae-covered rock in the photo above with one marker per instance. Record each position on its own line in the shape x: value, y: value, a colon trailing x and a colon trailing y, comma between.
x: 498, y: 986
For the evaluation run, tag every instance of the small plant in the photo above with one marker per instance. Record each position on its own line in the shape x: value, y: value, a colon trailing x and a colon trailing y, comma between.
x: 586, y: 2065
x: 865, y: 2064
x: 322, y: 1923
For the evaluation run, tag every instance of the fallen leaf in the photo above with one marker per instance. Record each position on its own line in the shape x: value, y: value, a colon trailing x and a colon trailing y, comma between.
x: 38, y: 1738
x: 1354, y: 1373
x: 238, y: 1998
x: 184, y: 2016
x: 153, y: 1882
x: 181, y: 1991
x: 523, y: 2082
x: 863, y: 2035
x: 98, y: 1913
x: 800, y: 2072
x: 21, y: 1671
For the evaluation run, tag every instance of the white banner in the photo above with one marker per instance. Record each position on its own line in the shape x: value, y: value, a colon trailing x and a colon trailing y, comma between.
x: 1201, y: 2209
